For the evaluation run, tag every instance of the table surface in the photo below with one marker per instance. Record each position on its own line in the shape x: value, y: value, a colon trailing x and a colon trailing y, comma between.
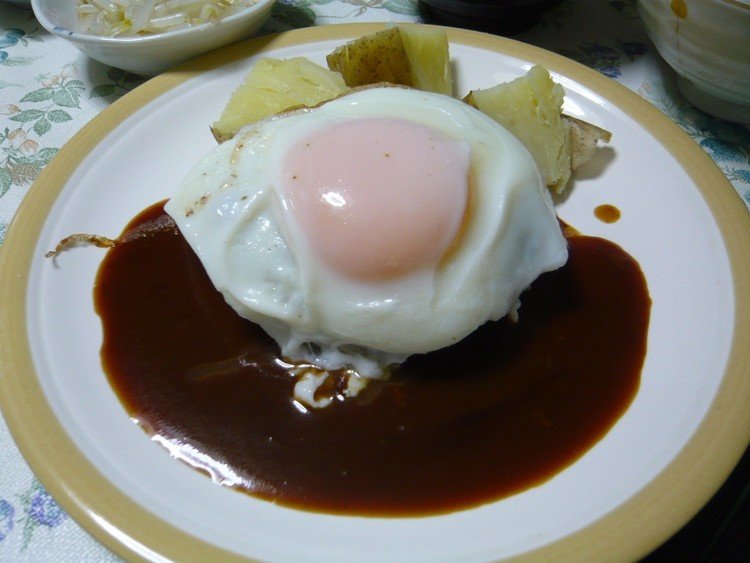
x: 49, y: 90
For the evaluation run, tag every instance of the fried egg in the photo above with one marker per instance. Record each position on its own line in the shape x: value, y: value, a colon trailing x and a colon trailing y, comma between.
x: 384, y: 223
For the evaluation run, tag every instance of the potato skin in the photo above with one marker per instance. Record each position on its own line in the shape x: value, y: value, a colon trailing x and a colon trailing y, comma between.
x: 413, y: 55
x: 379, y: 57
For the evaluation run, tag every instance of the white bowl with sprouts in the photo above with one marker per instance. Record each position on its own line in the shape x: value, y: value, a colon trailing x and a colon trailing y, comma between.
x: 148, y: 37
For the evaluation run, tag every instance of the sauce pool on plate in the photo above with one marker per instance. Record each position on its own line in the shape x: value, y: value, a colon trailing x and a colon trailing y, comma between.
x: 501, y: 411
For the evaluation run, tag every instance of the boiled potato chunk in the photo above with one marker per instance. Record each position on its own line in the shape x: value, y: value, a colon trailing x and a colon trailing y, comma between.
x: 427, y: 51
x: 530, y: 107
x: 410, y: 55
x: 274, y: 85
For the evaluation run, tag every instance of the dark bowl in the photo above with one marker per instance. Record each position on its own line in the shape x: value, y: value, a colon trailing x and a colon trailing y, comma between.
x: 504, y: 17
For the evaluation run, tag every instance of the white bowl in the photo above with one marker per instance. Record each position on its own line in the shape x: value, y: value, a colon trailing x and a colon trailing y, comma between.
x: 150, y: 54
x: 707, y: 43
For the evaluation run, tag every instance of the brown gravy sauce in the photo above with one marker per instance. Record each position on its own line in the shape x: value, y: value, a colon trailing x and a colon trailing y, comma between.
x: 501, y: 411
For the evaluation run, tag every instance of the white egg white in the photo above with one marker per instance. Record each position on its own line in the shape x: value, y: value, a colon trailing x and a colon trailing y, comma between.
x: 234, y: 215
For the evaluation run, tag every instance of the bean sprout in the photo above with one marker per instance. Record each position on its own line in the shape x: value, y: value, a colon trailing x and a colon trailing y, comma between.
x: 125, y: 18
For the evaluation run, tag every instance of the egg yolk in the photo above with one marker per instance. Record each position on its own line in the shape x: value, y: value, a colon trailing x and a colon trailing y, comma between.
x: 378, y: 198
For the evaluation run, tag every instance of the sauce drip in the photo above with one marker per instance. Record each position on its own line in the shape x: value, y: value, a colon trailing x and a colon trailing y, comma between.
x: 679, y: 8
x: 607, y: 213
x: 501, y: 411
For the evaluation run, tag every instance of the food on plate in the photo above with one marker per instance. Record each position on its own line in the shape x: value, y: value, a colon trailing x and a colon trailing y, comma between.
x: 501, y: 411
x: 384, y: 223
x: 275, y: 85
x: 410, y: 55
x: 530, y: 107
x: 80, y: 239
x: 405, y: 55
x: 365, y: 248
x: 429, y: 58
x: 143, y: 17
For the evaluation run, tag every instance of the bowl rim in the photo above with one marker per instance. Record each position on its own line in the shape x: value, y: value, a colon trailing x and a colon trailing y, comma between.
x: 742, y: 4
x: 90, y: 38
x: 734, y: 6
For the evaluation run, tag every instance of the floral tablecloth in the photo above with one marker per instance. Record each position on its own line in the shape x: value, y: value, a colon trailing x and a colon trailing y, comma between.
x: 48, y: 91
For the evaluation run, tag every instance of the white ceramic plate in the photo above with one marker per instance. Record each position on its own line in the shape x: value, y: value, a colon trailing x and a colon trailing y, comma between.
x: 685, y: 430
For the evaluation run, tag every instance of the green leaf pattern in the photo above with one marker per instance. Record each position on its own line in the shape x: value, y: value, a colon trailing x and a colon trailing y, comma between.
x: 119, y: 83
x: 36, y: 113
x: 55, y: 99
x: 728, y: 144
